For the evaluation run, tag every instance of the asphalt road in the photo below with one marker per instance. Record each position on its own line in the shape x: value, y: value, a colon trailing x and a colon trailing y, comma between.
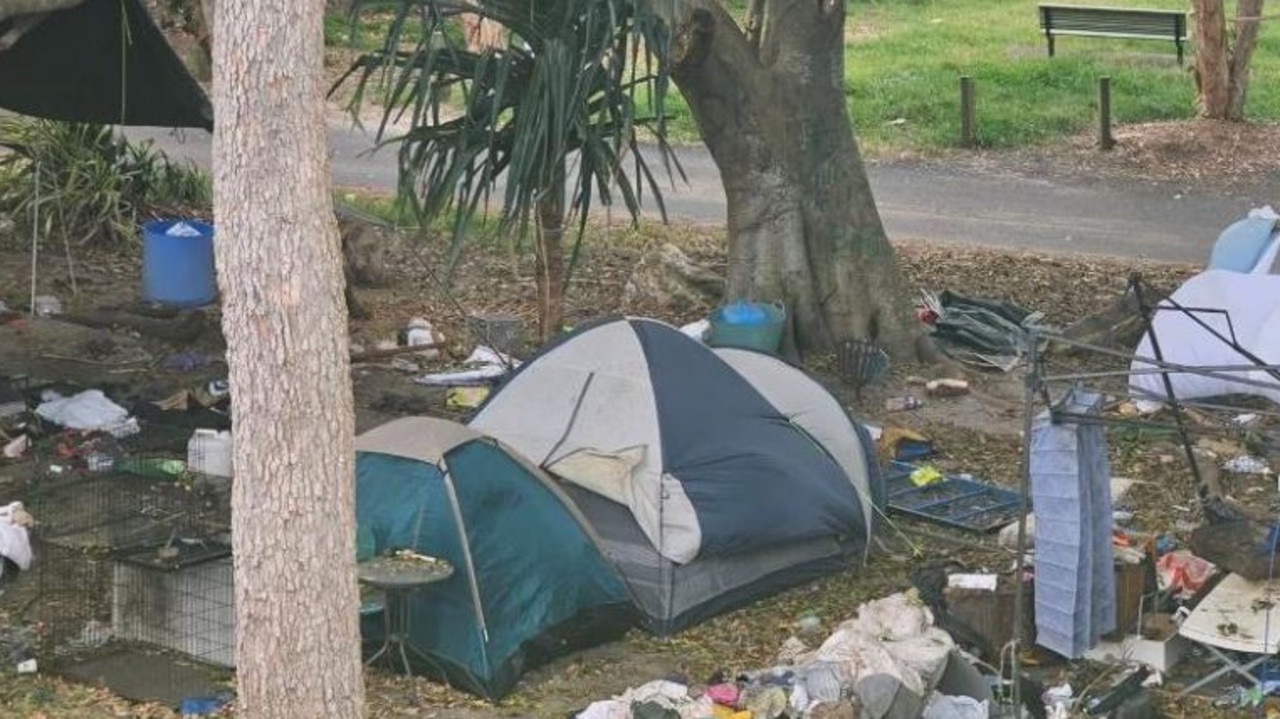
x: 937, y: 204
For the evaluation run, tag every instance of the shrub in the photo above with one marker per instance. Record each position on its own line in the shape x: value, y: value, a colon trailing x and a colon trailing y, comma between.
x: 85, y: 183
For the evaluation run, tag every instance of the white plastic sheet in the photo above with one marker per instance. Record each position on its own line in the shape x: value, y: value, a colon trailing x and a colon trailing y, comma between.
x: 89, y: 410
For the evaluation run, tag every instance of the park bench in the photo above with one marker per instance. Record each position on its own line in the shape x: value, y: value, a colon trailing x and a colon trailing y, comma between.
x: 1105, y: 22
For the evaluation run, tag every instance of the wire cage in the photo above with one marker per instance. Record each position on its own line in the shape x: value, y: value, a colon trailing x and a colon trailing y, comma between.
x: 128, y: 549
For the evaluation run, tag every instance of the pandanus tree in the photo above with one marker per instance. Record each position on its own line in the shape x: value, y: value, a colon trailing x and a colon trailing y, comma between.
x: 545, y: 121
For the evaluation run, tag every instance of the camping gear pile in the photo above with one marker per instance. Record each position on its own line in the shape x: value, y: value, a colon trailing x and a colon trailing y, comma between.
x: 890, y: 662
x: 628, y: 475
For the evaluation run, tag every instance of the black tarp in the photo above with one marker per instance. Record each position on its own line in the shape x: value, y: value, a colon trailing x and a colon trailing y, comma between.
x: 80, y: 63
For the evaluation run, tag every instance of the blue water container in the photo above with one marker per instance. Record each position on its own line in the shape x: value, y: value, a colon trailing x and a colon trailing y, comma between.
x: 177, y: 270
x: 748, y: 325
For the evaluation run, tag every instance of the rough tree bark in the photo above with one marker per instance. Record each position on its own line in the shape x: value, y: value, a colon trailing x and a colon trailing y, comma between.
x: 1222, y: 66
x: 280, y: 274
x: 803, y: 225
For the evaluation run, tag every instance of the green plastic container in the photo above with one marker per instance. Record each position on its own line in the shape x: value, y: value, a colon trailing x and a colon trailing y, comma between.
x: 748, y: 325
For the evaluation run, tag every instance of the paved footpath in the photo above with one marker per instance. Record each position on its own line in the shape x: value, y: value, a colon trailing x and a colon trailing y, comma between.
x: 925, y: 202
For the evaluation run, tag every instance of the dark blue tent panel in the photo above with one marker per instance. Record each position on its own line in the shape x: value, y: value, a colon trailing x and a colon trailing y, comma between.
x: 732, y: 450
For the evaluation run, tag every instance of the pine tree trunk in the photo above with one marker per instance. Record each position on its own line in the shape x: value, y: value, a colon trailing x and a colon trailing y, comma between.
x: 803, y: 226
x: 1213, y: 65
x: 280, y: 274
x: 549, y: 267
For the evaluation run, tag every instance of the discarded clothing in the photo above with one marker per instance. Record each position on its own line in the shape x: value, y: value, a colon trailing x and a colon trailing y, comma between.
x: 89, y: 411
x: 15, y: 544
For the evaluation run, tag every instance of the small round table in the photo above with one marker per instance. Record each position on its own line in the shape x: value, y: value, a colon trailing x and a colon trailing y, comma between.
x: 398, y: 579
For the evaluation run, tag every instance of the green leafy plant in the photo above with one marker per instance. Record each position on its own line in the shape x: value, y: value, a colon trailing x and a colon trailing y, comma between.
x: 556, y: 112
x: 85, y: 183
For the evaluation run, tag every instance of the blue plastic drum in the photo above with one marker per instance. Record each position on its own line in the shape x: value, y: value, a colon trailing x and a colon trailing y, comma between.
x: 177, y: 264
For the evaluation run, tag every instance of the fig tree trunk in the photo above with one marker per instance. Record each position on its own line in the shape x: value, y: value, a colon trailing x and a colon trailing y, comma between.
x: 803, y: 226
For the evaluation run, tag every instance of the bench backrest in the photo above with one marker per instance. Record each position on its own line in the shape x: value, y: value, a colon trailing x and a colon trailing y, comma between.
x: 1164, y: 23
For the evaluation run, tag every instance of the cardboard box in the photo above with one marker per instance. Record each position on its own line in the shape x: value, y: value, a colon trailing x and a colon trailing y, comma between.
x: 1161, y: 655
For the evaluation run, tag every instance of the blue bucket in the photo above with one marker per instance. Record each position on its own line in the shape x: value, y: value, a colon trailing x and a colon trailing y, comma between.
x: 748, y: 325
x: 177, y: 270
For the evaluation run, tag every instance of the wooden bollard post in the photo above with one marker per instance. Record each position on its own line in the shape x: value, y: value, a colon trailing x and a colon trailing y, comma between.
x: 1105, y: 140
x: 966, y: 111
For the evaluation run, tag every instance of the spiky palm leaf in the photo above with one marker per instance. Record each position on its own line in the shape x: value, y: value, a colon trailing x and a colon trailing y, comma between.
x: 563, y: 91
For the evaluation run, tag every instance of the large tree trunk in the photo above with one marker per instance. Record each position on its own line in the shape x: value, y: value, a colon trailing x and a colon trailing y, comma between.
x: 1222, y: 66
x: 803, y: 226
x: 280, y: 273
x: 549, y: 267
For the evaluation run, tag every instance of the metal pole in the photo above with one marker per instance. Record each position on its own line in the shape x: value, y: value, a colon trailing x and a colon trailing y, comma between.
x: 1105, y: 140
x: 966, y: 111
x: 35, y: 237
x: 1032, y: 386
x: 1135, y: 281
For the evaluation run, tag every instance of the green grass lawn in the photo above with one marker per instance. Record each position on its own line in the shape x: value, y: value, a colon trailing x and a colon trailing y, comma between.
x: 905, y: 59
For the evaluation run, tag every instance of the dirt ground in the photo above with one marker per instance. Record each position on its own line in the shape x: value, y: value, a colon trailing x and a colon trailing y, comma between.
x: 977, y: 433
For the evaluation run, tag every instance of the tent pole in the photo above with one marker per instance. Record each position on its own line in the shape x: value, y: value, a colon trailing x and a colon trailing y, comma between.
x: 1024, y: 501
x: 466, y: 555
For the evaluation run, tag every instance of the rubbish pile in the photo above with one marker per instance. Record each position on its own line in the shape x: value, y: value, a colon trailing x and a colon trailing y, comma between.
x: 889, y: 662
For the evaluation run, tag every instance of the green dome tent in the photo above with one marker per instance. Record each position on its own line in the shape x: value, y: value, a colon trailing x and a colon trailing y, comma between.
x: 529, y: 582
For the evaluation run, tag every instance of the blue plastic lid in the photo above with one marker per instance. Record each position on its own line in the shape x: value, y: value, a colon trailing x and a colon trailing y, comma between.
x: 744, y: 313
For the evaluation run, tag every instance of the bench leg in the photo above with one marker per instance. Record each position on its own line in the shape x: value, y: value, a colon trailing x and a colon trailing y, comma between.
x: 1179, y: 44
x: 1049, y: 38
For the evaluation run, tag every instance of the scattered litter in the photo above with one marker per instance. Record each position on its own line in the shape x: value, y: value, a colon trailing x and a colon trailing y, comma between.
x: 15, y: 543
x: 47, y: 306
x: 89, y: 410
x: 28, y: 667
x: 723, y: 694
x: 903, y: 445
x: 978, y: 332
x: 17, y: 447
x: 1058, y: 700
x: 697, y: 330
x: 404, y: 364
x: 925, y: 476
x: 1182, y: 573
x: 947, y: 388
x: 488, y: 364
x: 891, y: 650
x: 1245, y: 420
x: 209, y: 452
x: 186, y: 362
x: 902, y: 404
x: 987, y: 582
x: 1247, y: 464
x: 200, y: 706
x: 461, y: 399
x: 808, y: 624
